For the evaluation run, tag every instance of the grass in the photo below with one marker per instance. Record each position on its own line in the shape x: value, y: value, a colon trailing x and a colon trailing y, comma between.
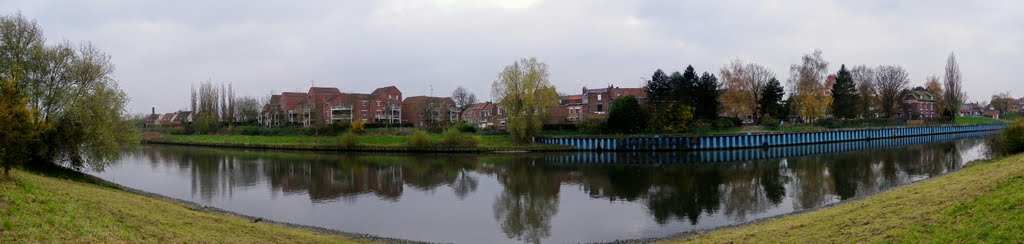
x: 487, y: 142
x: 982, y: 203
x: 1010, y: 116
x: 36, y: 208
x: 972, y: 120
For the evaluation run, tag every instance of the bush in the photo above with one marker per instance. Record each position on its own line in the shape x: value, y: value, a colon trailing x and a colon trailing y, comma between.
x: 1010, y: 140
x: 591, y: 126
x: 770, y: 123
x: 726, y: 122
x: 348, y: 140
x: 341, y: 126
x: 626, y: 115
x: 465, y: 127
x: 358, y: 127
x: 419, y: 140
x: 455, y: 138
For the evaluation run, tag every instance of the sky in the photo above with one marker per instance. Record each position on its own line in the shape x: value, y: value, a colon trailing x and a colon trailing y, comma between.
x: 430, y: 47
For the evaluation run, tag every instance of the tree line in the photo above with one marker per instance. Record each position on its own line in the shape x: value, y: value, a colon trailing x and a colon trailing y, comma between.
x: 59, y: 104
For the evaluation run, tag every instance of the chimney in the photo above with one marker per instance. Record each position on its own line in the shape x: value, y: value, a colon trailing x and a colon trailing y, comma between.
x: 154, y: 110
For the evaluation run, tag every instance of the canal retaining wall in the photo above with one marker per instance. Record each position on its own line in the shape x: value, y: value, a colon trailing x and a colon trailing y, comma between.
x: 752, y: 140
x: 751, y: 154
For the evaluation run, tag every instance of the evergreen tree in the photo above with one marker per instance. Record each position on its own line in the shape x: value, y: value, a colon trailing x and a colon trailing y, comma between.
x: 659, y: 89
x: 771, y: 99
x: 844, y: 95
x: 706, y: 93
x: 682, y: 87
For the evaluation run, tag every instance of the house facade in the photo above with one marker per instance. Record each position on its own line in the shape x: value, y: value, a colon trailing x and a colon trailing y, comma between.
x: 485, y: 115
x: 919, y: 104
x: 321, y: 106
x: 429, y: 111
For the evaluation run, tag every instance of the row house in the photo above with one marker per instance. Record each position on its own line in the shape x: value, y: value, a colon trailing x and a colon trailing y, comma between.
x: 429, y: 111
x: 590, y: 104
x: 178, y: 118
x: 971, y: 109
x: 920, y: 104
x: 486, y: 115
x: 382, y: 106
x: 1016, y: 106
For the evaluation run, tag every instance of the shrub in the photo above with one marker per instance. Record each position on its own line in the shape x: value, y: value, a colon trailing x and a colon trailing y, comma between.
x: 724, y: 123
x: 626, y: 115
x: 465, y: 127
x: 419, y: 140
x: 1010, y: 140
x: 358, y: 127
x: 591, y: 126
x: 341, y: 126
x: 455, y: 138
x: 770, y: 123
x: 348, y: 140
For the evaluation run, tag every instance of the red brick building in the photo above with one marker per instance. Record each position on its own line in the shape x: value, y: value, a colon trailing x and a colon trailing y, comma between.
x: 484, y: 115
x: 429, y: 111
x: 920, y: 104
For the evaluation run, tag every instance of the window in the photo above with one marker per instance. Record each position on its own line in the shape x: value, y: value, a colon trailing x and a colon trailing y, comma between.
x: 600, y: 107
x: 378, y: 103
x: 599, y: 98
x: 364, y: 103
x: 364, y: 113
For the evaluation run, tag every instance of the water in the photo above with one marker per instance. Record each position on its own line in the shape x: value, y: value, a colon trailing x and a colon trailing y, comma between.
x: 557, y: 198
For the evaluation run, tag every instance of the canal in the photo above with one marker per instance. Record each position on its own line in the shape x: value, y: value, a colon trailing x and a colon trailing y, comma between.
x: 557, y: 198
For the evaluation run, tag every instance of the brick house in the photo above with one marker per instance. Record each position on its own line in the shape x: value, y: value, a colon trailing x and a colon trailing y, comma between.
x: 592, y: 103
x: 484, y: 115
x: 182, y: 118
x: 271, y: 114
x: 429, y: 111
x: 919, y: 104
x: 167, y: 119
x: 291, y: 105
x: 383, y: 105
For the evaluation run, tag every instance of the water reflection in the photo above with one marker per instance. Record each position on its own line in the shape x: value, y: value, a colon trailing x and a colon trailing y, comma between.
x: 526, y: 192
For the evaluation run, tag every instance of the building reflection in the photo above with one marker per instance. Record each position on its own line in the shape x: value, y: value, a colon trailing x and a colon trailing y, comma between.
x: 686, y: 191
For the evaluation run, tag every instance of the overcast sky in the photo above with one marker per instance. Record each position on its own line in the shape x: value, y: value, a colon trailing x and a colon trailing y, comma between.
x: 159, y: 48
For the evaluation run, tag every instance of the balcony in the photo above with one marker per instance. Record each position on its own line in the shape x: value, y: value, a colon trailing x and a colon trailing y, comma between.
x: 394, y: 108
x: 342, y: 107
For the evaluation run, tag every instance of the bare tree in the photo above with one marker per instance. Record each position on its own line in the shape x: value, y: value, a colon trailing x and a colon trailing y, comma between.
x: 890, y: 80
x: 744, y: 83
x: 247, y: 109
x: 463, y: 98
x: 865, y: 79
x: 954, y: 94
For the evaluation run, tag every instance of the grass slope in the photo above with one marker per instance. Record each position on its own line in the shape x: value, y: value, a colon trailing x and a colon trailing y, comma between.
x: 971, y: 120
x: 984, y: 202
x: 35, y: 208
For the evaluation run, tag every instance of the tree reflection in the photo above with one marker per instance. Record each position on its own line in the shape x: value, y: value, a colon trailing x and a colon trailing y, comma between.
x: 530, y: 199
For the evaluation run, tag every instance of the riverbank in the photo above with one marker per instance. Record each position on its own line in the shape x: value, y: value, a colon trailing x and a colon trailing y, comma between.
x: 369, y: 143
x: 40, y: 208
x: 982, y: 202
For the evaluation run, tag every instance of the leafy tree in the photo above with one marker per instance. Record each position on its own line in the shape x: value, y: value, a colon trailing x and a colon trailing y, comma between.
x: 806, y: 78
x: 844, y: 95
x: 771, y: 99
x: 76, y: 106
x: 526, y: 95
x: 743, y: 86
x: 934, y: 86
x: 670, y: 99
x: 1001, y: 102
x: 706, y: 94
x: 16, y: 129
x: 626, y: 115
x: 865, y: 78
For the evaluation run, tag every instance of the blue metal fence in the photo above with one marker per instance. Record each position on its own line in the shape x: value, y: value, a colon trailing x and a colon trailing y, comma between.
x: 741, y: 141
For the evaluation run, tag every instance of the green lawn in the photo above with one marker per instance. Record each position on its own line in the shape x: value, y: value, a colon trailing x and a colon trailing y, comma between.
x: 1010, y: 116
x: 971, y: 120
x: 982, y: 203
x: 41, y: 209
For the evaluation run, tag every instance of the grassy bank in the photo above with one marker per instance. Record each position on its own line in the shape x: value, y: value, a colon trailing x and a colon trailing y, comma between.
x: 367, y: 142
x: 36, y: 208
x: 984, y: 202
x: 971, y: 120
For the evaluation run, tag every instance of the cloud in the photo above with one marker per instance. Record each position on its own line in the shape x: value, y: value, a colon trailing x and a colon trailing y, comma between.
x: 160, y: 48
